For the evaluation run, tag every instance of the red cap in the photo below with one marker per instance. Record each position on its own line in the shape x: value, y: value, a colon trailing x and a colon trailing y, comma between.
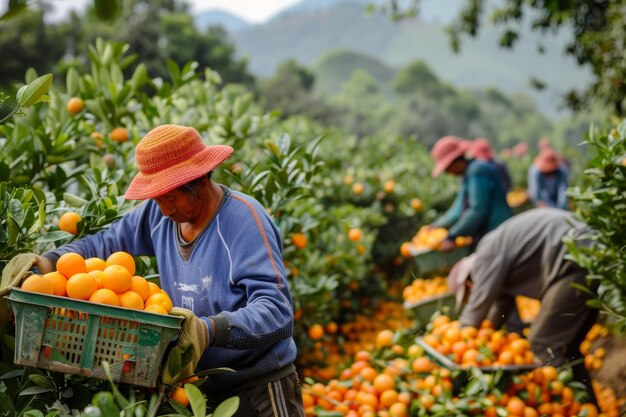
x: 446, y: 150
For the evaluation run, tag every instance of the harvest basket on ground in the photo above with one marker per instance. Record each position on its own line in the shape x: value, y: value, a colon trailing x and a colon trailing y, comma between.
x: 423, y: 310
x: 448, y: 363
x: 428, y: 261
x: 76, y: 337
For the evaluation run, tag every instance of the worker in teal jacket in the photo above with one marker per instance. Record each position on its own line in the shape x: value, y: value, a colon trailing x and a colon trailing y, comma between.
x: 480, y: 205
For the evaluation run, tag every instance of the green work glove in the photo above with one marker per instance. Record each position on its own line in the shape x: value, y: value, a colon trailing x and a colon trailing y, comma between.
x: 193, y: 340
x: 18, y: 268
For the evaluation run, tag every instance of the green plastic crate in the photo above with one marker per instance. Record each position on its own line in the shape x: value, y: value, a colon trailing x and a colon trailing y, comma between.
x: 75, y: 337
x: 423, y: 310
x: 434, y: 262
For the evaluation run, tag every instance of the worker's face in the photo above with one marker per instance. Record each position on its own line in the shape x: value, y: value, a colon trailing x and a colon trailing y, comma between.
x: 457, y: 167
x: 179, y: 206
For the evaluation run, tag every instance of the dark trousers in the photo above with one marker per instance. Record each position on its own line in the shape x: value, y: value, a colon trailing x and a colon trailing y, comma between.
x: 280, y: 398
x: 563, y: 322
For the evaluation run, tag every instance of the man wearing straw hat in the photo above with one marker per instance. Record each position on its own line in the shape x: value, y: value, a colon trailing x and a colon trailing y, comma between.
x: 220, y: 259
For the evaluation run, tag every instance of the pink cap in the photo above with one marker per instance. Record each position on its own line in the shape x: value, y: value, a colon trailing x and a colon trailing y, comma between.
x: 547, y: 161
x: 446, y: 150
x: 481, y: 149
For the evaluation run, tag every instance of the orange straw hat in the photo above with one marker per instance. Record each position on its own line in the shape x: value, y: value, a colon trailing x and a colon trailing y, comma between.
x: 446, y: 150
x: 481, y: 149
x: 170, y: 156
x: 547, y: 161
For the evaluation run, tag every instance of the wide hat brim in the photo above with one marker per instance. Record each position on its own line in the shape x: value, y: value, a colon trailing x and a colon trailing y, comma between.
x: 145, y: 186
x: 445, y: 161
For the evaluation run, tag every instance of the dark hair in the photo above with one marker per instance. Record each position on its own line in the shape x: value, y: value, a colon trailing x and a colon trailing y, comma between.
x: 193, y: 186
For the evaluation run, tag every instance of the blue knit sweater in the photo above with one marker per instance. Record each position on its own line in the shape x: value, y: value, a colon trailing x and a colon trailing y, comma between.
x: 234, y: 276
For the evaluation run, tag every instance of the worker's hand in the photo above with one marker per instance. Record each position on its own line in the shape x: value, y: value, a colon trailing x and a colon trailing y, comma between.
x: 447, y: 245
x: 193, y: 340
x: 19, y: 267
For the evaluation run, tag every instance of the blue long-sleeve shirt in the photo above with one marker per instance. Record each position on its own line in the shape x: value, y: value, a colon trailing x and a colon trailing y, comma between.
x: 234, y: 279
x: 480, y: 206
x: 550, y: 190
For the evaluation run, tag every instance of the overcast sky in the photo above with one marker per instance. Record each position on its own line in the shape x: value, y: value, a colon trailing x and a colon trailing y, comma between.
x: 251, y: 10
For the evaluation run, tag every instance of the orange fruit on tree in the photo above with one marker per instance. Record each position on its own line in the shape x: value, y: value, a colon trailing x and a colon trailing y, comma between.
x: 155, y: 308
x: 180, y: 396
x: 355, y: 234
x: 130, y: 299
x: 399, y: 409
x: 357, y: 188
x: 299, y: 240
x: 116, y: 278
x: 38, y: 283
x: 75, y: 105
x: 141, y: 286
x: 316, y: 331
x: 389, y: 186
x: 58, y: 281
x: 68, y: 222
x: 71, y: 263
x: 97, y: 138
x: 416, y: 204
x: 105, y: 296
x: 161, y: 299
x: 516, y: 406
x: 119, y: 134
x: 123, y: 259
x: 81, y: 286
x: 95, y: 264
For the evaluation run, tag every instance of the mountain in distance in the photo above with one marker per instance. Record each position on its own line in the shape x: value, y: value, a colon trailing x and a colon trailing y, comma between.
x: 218, y: 17
x: 310, y: 29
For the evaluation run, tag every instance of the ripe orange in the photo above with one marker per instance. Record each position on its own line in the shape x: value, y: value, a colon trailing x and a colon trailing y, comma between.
x: 161, y: 299
x: 154, y: 288
x: 316, y: 331
x: 141, y: 286
x: 105, y: 296
x: 123, y: 259
x: 416, y: 204
x: 299, y: 240
x: 38, y: 283
x: 389, y: 186
x: 357, y: 188
x: 97, y: 276
x: 95, y: 264
x: 398, y: 410
x: 58, y: 281
x: 130, y: 299
x: 81, y: 286
x: 75, y: 105
x: 155, y: 308
x: 384, y: 382
x: 97, y: 138
x: 116, y: 278
x: 71, y: 263
x: 119, y: 134
x: 384, y: 338
x: 355, y: 234
x: 180, y: 396
x: 68, y: 222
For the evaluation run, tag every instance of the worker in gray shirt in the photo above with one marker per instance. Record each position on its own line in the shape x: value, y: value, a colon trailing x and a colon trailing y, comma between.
x: 525, y: 256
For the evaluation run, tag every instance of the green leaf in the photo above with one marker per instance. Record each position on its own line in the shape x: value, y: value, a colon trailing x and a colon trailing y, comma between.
x: 71, y: 81
x: 227, y: 407
x: 15, y: 8
x: 5, y: 172
x: 73, y: 200
x: 196, y: 400
x: 35, y: 391
x: 33, y: 92
x: 6, y: 405
x: 33, y: 413
x: 54, y: 236
x: 41, y: 380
